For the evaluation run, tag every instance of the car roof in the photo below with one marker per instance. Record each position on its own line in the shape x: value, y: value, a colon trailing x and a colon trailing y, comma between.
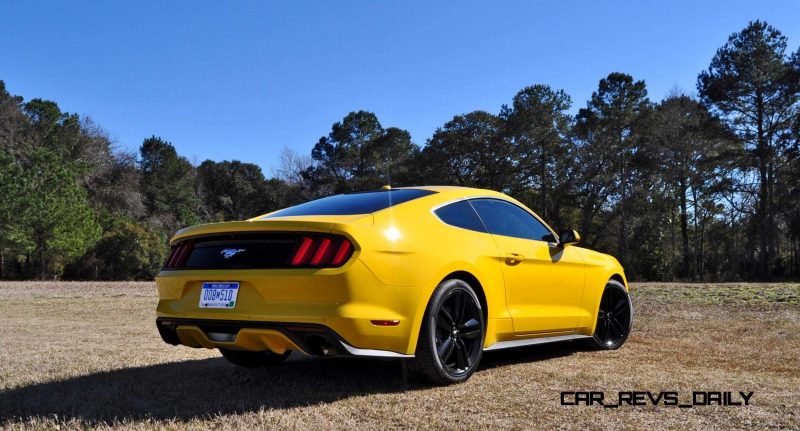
x: 465, y: 191
x: 441, y: 195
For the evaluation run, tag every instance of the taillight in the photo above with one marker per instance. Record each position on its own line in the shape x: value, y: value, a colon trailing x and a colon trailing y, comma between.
x: 178, y: 255
x: 321, y: 251
x: 303, y: 251
x: 342, y: 253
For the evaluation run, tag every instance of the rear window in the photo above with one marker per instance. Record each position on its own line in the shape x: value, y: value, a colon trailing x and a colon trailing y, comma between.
x: 354, y: 203
x: 461, y: 214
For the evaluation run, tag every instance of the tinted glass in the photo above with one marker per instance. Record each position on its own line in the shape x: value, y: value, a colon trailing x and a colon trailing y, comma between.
x: 242, y: 252
x: 355, y: 203
x: 505, y: 218
x: 461, y: 214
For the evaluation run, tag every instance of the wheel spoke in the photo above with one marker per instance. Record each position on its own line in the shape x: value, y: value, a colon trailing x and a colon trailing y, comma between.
x: 470, y: 325
x: 606, y: 300
x: 448, y: 319
x: 616, y: 331
x: 471, y: 334
x: 471, y: 329
x: 621, y: 306
x: 618, y: 326
x: 441, y: 324
x: 462, y: 358
x: 458, y: 363
x: 446, y: 349
x: 464, y: 317
x: 458, y: 307
x: 601, y: 325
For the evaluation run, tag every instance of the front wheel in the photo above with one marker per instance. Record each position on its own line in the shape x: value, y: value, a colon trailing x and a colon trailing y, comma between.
x: 249, y: 359
x: 614, y: 318
x: 450, y: 342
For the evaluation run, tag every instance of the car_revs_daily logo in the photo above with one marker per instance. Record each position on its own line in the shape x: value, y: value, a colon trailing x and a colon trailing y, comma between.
x: 663, y: 398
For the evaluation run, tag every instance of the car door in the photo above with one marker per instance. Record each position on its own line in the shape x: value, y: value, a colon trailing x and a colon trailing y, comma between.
x: 544, y: 282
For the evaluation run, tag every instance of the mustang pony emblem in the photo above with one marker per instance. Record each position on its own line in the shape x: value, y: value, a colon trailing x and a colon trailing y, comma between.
x: 230, y: 252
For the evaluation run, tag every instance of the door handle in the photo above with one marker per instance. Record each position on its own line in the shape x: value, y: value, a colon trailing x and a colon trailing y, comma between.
x: 514, y: 259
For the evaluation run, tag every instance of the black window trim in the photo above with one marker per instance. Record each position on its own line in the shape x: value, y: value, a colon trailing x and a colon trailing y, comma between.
x: 469, y: 199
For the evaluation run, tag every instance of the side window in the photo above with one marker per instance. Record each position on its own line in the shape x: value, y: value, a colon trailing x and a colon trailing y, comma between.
x: 461, y: 214
x: 507, y: 219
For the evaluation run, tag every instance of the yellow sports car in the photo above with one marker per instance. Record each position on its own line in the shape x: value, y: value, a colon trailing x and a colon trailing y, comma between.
x: 437, y: 274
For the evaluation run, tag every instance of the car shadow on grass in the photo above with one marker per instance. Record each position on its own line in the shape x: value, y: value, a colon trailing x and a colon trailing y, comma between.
x: 207, y: 387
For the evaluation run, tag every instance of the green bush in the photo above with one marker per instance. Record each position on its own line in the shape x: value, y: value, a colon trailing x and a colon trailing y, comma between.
x: 125, y: 252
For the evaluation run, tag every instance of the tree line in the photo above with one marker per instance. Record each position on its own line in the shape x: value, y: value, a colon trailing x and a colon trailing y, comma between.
x: 702, y: 187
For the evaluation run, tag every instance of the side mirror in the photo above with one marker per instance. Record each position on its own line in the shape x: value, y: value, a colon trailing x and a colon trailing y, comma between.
x: 568, y: 237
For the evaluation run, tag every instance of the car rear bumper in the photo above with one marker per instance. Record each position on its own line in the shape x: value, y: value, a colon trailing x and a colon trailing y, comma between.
x: 311, y: 339
x: 345, y: 301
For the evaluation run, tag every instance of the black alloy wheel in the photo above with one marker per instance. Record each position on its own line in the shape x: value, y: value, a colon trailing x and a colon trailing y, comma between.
x: 451, y: 338
x: 614, y: 317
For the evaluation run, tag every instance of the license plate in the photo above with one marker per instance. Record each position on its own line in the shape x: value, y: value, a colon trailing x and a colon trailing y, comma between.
x: 217, y: 294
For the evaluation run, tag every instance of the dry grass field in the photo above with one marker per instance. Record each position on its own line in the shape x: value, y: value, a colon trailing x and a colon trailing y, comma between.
x: 87, y: 355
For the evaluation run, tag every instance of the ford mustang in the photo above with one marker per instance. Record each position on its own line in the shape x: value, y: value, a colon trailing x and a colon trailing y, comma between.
x: 437, y: 275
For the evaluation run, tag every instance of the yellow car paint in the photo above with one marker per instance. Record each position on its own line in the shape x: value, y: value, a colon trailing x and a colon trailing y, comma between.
x: 529, y: 289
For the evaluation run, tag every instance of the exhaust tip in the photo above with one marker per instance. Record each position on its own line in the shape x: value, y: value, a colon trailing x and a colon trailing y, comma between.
x: 319, y: 346
x: 221, y: 337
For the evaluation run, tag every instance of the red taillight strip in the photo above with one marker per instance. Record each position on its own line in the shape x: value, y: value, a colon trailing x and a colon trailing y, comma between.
x: 182, y: 254
x: 171, y: 257
x: 175, y: 255
x: 342, y: 253
x: 300, y: 256
x: 321, y: 250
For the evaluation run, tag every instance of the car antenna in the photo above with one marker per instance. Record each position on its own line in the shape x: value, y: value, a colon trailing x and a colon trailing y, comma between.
x: 388, y: 173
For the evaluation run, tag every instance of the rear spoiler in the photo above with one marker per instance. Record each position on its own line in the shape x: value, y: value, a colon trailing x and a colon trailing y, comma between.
x: 280, y: 224
x: 252, y: 226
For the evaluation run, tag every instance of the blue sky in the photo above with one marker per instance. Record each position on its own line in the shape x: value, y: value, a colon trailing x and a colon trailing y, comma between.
x: 241, y: 80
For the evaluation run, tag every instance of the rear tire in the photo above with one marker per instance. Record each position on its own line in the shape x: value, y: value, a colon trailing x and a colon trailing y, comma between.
x: 614, y: 318
x: 450, y: 344
x: 248, y: 359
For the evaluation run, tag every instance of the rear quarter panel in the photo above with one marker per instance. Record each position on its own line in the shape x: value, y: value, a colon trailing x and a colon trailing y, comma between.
x: 409, y: 247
